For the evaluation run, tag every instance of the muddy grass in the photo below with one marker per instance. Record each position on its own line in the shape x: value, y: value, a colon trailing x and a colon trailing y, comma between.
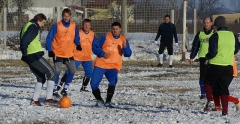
x: 157, y: 89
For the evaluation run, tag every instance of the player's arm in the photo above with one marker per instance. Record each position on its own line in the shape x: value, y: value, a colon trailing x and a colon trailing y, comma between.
x: 213, y: 46
x: 127, y: 52
x: 97, y: 47
x: 50, y: 37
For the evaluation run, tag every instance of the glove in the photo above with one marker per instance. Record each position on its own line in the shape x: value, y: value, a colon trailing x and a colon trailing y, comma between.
x: 176, y: 44
x: 156, y: 42
x: 79, y: 48
x: 206, y: 62
x: 51, y: 54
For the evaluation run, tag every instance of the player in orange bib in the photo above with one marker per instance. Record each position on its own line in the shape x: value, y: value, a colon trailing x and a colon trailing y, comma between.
x: 83, y: 57
x: 61, y: 42
x: 109, y: 50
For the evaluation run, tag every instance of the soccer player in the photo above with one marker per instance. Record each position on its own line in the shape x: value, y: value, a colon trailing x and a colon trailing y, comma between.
x: 200, y: 47
x: 167, y: 30
x: 83, y: 57
x: 32, y: 54
x: 109, y: 50
x: 61, y: 42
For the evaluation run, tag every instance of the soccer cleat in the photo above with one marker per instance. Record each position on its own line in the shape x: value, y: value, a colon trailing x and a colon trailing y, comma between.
x: 50, y: 102
x: 209, y: 106
x: 238, y: 105
x: 56, y: 95
x: 64, y: 92
x: 202, y: 96
x: 99, y: 103
x: 109, y: 105
x: 159, y: 65
x: 60, y: 86
x: 170, y: 66
x: 35, y: 103
x: 84, y: 89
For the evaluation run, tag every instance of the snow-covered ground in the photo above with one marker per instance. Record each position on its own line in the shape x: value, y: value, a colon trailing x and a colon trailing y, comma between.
x: 144, y: 93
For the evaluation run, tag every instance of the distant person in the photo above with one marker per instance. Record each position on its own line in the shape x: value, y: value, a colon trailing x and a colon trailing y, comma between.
x: 167, y: 30
x: 83, y: 57
x: 109, y: 50
x: 62, y: 40
x: 222, y: 46
x: 200, y: 47
x: 32, y: 54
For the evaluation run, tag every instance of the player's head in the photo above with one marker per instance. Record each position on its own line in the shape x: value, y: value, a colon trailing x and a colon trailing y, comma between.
x: 66, y: 14
x: 116, y: 28
x: 208, y: 23
x: 220, y: 21
x: 167, y: 18
x: 86, y: 24
x: 40, y: 19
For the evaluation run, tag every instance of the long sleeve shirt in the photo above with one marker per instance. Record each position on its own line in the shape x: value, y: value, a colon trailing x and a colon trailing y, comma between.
x: 53, y: 31
x: 167, y: 32
x: 213, y: 45
x: 97, y: 47
x: 196, y: 43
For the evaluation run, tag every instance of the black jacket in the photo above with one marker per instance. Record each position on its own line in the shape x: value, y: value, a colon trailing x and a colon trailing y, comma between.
x: 196, y: 43
x: 213, y: 44
x: 26, y: 39
x: 167, y: 31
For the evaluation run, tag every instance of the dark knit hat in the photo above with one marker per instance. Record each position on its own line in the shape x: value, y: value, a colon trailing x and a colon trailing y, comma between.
x: 220, y: 21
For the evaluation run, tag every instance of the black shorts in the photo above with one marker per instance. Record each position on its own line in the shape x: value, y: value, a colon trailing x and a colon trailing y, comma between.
x: 219, y: 77
x: 163, y: 45
x: 203, y: 68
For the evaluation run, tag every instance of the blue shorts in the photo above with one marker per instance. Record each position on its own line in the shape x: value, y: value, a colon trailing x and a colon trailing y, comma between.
x: 110, y: 74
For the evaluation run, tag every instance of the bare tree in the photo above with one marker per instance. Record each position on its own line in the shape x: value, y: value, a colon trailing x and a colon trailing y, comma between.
x: 22, y: 6
x: 145, y: 10
x: 205, y: 7
x: 114, y: 10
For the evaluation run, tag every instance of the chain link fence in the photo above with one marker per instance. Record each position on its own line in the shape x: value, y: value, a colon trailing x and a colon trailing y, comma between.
x: 142, y: 15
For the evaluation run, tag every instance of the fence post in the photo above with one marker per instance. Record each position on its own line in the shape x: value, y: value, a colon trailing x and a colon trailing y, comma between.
x: 172, y: 14
x: 124, y: 17
x: 5, y: 26
x: 195, y: 22
x: 85, y: 14
x: 187, y: 40
x: 184, y: 29
x: 59, y: 16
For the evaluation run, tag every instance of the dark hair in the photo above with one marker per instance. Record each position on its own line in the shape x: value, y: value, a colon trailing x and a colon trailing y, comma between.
x: 167, y: 16
x: 66, y: 10
x: 116, y: 24
x: 211, y: 20
x: 40, y: 17
x: 86, y: 20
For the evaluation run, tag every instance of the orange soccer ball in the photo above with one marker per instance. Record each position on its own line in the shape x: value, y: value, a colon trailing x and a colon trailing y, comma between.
x: 65, y: 102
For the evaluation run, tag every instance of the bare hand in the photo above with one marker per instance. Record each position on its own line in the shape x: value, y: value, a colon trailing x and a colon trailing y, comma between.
x: 190, y: 61
x: 124, y: 45
x: 106, y: 55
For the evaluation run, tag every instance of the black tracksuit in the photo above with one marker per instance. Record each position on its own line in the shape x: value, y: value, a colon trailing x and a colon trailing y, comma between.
x: 167, y: 31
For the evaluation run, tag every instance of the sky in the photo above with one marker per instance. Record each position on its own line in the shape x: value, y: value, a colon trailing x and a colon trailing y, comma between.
x: 228, y: 5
